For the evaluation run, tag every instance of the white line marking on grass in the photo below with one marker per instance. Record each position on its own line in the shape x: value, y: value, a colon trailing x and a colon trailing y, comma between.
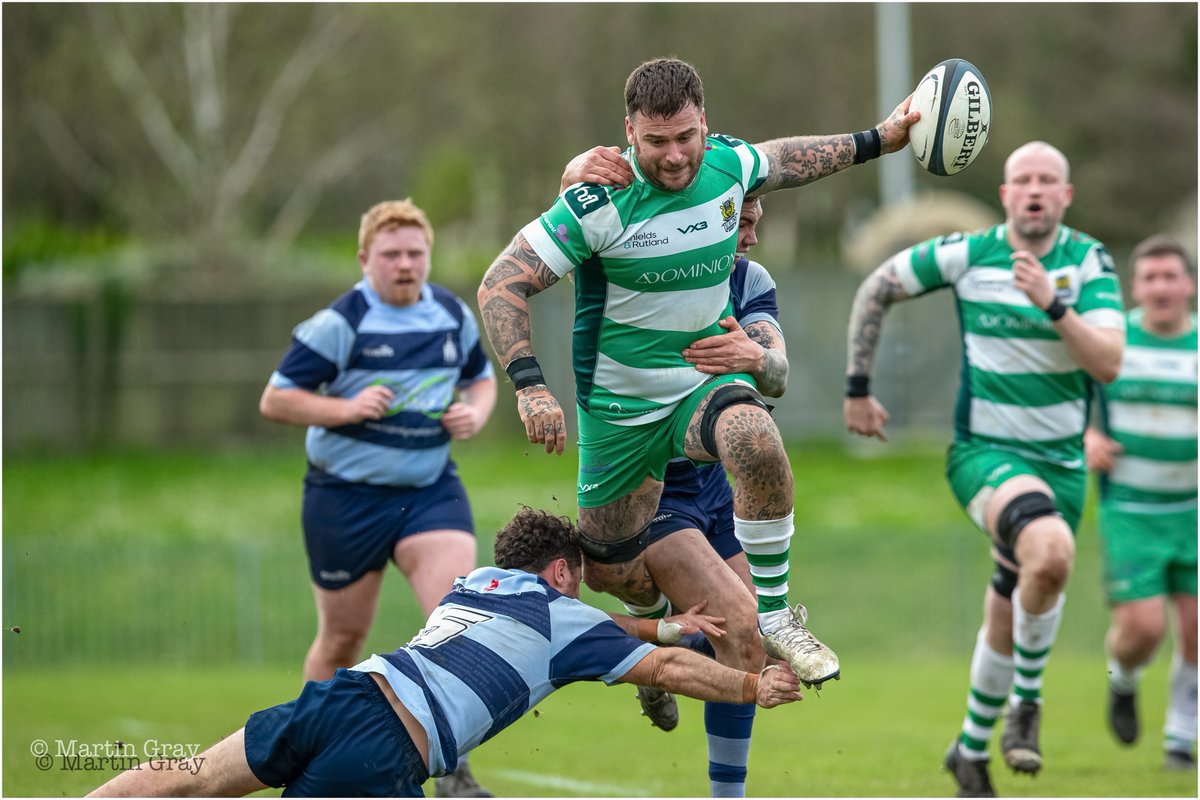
x: 559, y: 782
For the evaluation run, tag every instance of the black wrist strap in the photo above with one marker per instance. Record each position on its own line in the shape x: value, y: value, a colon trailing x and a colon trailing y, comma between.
x: 1055, y: 310
x: 525, y: 371
x: 858, y: 386
x: 867, y: 145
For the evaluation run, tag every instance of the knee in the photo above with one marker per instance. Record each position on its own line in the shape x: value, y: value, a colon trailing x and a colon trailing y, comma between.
x: 750, y: 444
x: 341, y: 643
x: 1049, y: 566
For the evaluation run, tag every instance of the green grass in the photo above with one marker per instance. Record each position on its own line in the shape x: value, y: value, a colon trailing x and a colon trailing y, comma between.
x: 166, y: 595
x: 880, y: 731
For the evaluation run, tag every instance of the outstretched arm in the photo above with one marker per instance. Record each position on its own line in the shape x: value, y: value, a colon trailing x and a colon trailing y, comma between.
x: 863, y: 413
x: 517, y: 274
x: 798, y: 160
x: 685, y: 672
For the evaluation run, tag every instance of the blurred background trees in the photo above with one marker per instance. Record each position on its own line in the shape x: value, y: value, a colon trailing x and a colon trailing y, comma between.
x: 232, y: 140
x: 183, y: 182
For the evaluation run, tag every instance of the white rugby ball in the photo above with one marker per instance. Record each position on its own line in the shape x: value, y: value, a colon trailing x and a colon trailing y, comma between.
x: 956, y: 117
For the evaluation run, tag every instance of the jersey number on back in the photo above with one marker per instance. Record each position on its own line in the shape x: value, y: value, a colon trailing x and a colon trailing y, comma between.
x: 445, y: 623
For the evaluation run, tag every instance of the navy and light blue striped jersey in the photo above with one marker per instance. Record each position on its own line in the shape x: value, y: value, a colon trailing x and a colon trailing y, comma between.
x: 499, y: 643
x: 753, y: 292
x: 422, y: 352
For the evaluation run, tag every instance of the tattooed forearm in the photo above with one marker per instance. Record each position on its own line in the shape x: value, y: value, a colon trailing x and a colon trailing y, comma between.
x: 516, y: 275
x: 772, y: 376
x: 871, y: 302
x: 799, y: 160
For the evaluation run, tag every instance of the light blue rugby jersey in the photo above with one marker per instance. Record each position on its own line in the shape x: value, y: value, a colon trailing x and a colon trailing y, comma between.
x: 498, y: 644
x: 753, y: 291
x: 422, y: 352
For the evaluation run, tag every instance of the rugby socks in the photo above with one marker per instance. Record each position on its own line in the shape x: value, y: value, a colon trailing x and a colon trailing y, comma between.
x: 1033, y: 636
x: 1180, y: 727
x: 728, y: 726
x: 991, y: 679
x: 659, y: 610
x: 765, y: 543
x: 1122, y: 680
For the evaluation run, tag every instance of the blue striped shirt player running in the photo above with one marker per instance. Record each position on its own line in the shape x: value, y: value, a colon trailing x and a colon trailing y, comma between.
x: 384, y: 379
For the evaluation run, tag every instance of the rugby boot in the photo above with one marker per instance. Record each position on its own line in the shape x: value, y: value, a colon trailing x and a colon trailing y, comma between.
x: 1122, y: 715
x: 1019, y: 744
x: 971, y: 776
x: 785, y: 637
x: 1179, y: 761
x: 659, y: 706
x: 460, y: 783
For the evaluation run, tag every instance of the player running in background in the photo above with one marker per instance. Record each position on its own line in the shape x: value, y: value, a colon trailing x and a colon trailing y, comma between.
x: 384, y: 379
x: 1146, y: 454
x: 653, y: 263
x: 500, y: 642
x: 1040, y: 311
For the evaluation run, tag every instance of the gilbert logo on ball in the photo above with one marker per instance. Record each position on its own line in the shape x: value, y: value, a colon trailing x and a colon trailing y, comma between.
x: 956, y: 117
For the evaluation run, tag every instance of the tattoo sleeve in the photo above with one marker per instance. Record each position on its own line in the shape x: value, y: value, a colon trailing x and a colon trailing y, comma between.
x: 772, y: 378
x: 516, y: 275
x: 871, y: 302
x: 800, y: 160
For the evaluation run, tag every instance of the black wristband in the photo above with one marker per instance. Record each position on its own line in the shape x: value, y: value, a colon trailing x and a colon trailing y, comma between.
x: 867, y: 145
x: 858, y: 386
x: 1055, y: 310
x: 525, y: 371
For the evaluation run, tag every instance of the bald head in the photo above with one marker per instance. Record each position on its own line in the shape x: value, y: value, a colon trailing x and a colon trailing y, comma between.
x: 1041, y: 151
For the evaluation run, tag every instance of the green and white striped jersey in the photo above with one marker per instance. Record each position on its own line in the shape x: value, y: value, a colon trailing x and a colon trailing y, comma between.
x: 1150, y: 410
x: 652, y: 276
x: 1020, y: 389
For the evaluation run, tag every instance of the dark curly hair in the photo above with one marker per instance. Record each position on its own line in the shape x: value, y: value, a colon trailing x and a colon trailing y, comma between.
x: 662, y: 88
x: 534, y: 538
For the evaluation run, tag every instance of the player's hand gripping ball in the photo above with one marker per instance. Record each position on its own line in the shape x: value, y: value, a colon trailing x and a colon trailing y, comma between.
x: 956, y: 117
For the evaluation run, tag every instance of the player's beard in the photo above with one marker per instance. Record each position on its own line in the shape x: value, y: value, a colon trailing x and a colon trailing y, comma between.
x: 674, y: 181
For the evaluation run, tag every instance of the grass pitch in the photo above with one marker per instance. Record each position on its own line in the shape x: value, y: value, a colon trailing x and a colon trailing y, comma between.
x: 890, y: 569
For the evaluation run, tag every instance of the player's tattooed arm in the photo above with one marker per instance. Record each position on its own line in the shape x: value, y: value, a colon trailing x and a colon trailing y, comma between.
x: 871, y: 302
x: 517, y: 274
x: 772, y: 376
x: 799, y: 160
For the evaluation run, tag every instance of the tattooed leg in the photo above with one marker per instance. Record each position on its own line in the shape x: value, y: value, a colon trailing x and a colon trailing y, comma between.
x: 630, y: 581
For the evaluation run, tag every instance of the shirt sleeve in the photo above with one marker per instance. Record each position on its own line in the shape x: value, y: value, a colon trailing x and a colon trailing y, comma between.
x: 1100, y: 301
x: 582, y: 221
x: 477, y: 365
x: 320, y: 350
x: 756, y: 301
x: 593, y: 646
x: 932, y: 264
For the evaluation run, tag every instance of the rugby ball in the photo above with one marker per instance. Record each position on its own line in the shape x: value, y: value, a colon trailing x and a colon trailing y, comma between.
x: 956, y: 117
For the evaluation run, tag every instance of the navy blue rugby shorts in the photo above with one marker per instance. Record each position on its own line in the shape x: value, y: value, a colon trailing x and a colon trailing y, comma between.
x: 697, y: 498
x: 350, y: 529
x: 339, y: 738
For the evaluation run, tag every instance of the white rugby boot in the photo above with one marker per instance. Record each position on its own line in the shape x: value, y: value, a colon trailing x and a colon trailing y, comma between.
x: 785, y: 637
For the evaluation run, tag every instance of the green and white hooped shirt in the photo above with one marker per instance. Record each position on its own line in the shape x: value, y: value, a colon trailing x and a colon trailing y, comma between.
x: 1150, y: 410
x: 1020, y: 390
x: 651, y: 276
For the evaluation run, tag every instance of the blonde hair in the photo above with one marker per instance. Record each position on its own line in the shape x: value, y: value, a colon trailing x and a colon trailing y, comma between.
x: 389, y: 215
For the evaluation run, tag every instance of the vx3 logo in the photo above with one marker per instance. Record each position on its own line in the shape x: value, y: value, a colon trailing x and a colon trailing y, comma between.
x: 698, y: 226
